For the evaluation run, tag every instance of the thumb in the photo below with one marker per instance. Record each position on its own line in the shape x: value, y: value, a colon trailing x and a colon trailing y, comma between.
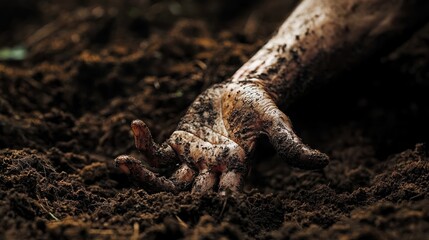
x: 290, y: 147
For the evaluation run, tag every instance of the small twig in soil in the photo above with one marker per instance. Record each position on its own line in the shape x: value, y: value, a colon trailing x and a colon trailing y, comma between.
x: 48, y: 212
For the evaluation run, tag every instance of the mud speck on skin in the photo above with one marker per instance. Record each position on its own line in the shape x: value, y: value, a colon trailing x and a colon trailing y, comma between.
x: 91, y: 69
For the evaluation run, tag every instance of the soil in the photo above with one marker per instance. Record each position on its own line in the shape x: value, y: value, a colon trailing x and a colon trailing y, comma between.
x: 94, y: 66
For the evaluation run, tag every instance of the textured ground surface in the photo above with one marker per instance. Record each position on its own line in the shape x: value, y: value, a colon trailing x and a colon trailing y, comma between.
x: 93, y: 67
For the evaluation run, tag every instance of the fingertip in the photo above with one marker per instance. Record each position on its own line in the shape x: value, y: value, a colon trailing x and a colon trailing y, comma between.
x: 126, y: 163
x: 142, y: 136
x: 137, y: 122
x: 305, y: 158
x: 124, y: 169
x: 121, y: 163
x: 137, y: 126
x: 313, y: 159
x: 120, y: 159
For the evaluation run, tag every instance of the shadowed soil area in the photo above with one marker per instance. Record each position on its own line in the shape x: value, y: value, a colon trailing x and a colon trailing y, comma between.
x: 91, y: 67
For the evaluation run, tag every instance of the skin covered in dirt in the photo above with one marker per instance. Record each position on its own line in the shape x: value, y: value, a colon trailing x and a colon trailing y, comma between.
x: 63, y: 118
x: 215, y: 139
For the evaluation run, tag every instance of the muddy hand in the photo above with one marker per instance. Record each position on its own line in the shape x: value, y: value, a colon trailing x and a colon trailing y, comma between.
x: 215, y: 139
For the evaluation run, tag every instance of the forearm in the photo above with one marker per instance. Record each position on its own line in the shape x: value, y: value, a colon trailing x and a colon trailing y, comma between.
x: 322, y: 38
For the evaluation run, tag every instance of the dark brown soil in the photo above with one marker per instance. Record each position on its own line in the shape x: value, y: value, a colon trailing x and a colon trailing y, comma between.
x: 93, y: 66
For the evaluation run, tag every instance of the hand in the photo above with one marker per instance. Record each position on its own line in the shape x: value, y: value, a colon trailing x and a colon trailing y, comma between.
x: 215, y: 138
